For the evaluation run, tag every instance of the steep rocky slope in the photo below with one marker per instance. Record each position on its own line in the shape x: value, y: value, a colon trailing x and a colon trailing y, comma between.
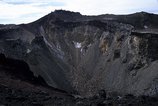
x: 85, y: 54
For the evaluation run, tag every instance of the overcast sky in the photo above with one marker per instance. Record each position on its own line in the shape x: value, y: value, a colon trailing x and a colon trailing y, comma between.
x: 24, y: 11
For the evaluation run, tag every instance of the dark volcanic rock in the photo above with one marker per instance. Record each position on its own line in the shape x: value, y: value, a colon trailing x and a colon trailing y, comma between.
x: 86, y: 54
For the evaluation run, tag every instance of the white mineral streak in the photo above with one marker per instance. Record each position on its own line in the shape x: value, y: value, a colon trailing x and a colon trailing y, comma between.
x: 77, y: 44
x: 28, y: 51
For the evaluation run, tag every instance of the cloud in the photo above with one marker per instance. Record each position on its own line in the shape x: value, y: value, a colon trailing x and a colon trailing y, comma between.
x: 18, y: 3
x: 51, y: 4
x: 37, y: 3
x: 95, y: 7
x: 22, y: 11
x: 15, y: 2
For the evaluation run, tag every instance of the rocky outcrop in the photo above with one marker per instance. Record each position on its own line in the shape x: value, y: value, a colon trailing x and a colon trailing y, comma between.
x: 85, y: 54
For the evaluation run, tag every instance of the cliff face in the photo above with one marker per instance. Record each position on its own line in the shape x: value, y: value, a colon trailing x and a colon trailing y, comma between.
x: 86, y: 54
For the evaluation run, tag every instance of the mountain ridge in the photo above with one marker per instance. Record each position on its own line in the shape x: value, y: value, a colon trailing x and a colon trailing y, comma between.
x: 85, y: 54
